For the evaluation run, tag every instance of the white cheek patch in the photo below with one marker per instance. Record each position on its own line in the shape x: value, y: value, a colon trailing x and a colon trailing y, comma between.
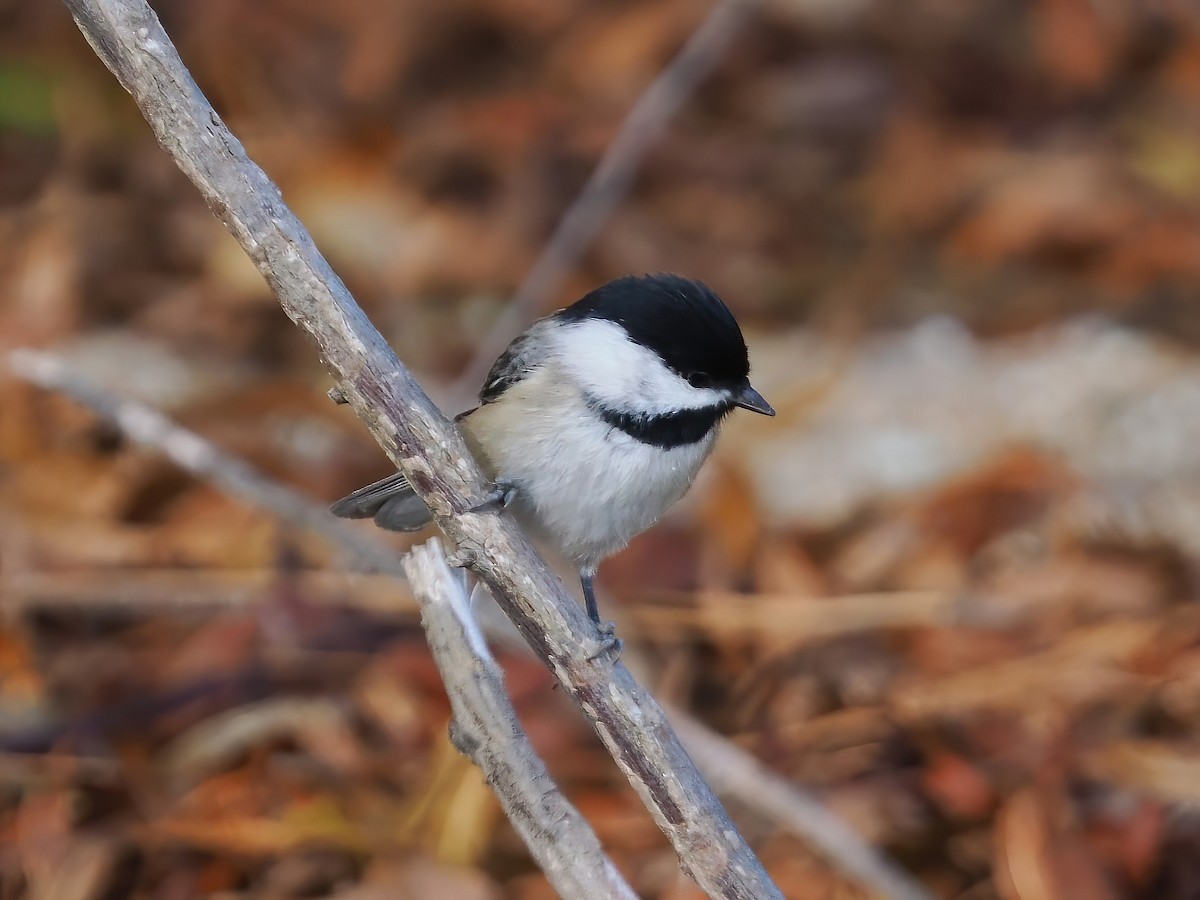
x: 626, y: 376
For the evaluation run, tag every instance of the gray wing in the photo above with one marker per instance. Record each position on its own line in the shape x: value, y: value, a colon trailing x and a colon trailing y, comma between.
x: 391, y: 502
x: 525, y: 354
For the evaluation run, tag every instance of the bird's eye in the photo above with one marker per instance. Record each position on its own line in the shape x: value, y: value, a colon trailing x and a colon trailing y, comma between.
x: 700, y: 380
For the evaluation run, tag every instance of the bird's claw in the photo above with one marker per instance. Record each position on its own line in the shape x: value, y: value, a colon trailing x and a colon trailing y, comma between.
x: 609, y: 642
x: 500, y: 496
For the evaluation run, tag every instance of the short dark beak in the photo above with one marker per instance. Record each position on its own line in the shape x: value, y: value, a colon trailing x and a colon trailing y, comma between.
x: 748, y: 398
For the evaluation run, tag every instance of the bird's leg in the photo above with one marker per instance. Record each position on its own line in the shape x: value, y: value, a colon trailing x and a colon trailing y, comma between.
x: 500, y: 496
x: 587, y: 579
x: 608, y: 639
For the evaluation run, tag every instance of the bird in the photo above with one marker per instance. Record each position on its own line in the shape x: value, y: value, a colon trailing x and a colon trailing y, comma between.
x: 596, y: 419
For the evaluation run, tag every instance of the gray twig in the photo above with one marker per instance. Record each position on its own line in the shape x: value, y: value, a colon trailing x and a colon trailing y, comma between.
x: 145, y: 425
x: 486, y: 729
x: 608, y: 184
x: 129, y: 39
x: 735, y: 773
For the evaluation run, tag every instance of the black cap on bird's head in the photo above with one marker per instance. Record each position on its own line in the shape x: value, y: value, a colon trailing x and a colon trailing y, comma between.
x: 685, y: 323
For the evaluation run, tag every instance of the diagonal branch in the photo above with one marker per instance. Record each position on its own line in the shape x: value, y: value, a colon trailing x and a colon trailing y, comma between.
x: 145, y: 425
x: 736, y: 773
x: 129, y: 39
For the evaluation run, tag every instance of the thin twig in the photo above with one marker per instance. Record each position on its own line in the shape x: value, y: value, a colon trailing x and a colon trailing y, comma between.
x: 423, y: 443
x: 608, y: 184
x: 736, y: 774
x: 486, y: 728
x: 205, y: 590
x: 145, y: 425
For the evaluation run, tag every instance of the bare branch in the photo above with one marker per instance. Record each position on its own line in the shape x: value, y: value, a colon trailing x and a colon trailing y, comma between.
x: 486, y: 729
x: 608, y: 184
x: 424, y: 444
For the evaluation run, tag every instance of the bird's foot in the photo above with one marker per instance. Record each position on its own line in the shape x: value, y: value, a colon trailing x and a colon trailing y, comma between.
x: 609, y: 642
x: 499, y: 497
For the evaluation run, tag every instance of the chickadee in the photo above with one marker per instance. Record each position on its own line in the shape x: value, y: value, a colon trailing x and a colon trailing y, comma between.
x: 597, y: 418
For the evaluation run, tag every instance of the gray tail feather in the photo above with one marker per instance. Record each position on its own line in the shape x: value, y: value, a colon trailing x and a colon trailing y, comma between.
x: 390, y: 501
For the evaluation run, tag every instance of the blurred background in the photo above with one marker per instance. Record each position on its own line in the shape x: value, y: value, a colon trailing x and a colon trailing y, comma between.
x: 949, y: 590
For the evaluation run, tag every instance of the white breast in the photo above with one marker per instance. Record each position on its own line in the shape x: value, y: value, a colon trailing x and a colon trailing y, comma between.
x: 582, y: 486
